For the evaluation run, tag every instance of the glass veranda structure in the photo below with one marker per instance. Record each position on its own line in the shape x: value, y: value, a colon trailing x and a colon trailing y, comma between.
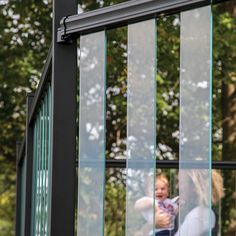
x: 147, y: 100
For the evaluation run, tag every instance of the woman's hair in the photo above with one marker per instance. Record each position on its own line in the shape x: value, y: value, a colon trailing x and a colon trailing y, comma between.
x: 199, y: 180
x: 217, y: 187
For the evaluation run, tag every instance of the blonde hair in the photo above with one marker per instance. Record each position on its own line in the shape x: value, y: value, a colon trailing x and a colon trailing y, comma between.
x: 198, y: 177
x: 163, y: 178
x: 218, y: 190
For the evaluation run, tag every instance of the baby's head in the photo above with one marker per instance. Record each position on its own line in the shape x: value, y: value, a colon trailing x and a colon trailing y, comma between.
x: 162, y: 187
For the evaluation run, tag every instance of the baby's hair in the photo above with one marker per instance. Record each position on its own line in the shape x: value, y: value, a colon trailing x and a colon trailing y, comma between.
x: 162, y: 178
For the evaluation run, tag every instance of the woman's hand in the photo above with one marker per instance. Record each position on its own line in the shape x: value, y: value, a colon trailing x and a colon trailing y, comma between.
x: 162, y: 219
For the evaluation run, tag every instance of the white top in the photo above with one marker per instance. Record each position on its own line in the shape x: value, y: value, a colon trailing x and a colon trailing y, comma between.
x: 196, y: 222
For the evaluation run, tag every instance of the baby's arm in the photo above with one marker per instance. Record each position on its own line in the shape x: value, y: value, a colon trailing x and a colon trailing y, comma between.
x: 144, y: 203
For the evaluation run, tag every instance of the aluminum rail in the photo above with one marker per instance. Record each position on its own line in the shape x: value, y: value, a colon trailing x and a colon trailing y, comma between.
x: 221, y: 165
x: 121, y: 14
x: 121, y: 163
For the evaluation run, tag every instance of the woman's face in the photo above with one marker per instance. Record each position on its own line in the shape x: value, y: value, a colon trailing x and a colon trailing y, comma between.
x: 161, y: 190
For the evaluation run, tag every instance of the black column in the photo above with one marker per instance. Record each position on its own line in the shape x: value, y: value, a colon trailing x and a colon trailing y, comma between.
x: 29, y: 167
x: 18, y: 190
x: 64, y: 67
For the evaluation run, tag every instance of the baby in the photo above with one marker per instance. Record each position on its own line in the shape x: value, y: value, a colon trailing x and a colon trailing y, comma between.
x: 162, y: 203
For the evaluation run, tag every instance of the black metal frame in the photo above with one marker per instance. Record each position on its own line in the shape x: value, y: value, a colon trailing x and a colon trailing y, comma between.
x: 29, y: 167
x: 20, y: 149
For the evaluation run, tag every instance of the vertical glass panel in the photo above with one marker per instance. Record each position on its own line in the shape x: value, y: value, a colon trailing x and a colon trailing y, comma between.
x: 167, y: 93
x: 48, y: 160
x: 39, y: 174
x: 141, y: 127
x: 41, y: 168
x: 196, y: 216
x: 91, y: 135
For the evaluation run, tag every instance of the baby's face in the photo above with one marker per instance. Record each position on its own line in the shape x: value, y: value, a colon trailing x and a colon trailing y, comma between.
x: 161, y: 190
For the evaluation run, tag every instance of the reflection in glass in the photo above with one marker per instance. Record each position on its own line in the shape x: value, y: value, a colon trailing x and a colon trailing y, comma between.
x: 167, y: 93
x: 140, y: 124
x: 91, y: 135
x: 116, y: 93
x: 195, y: 125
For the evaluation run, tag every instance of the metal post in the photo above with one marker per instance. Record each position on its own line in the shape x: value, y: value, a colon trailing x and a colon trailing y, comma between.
x: 63, y: 152
x: 29, y: 167
x: 18, y: 190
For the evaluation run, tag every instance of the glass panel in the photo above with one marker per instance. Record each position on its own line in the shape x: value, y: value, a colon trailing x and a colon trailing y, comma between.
x: 116, y: 93
x: 141, y: 126
x: 41, y: 169
x: 224, y: 82
x: 38, y: 207
x: 167, y: 93
x: 196, y: 217
x: 91, y: 134
x: 48, y: 161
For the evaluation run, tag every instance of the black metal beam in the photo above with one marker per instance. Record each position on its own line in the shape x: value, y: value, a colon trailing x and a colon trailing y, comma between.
x: 21, y: 152
x: 121, y: 14
x: 121, y: 163
x: 63, y: 165
x: 45, y: 78
x: 18, y: 190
